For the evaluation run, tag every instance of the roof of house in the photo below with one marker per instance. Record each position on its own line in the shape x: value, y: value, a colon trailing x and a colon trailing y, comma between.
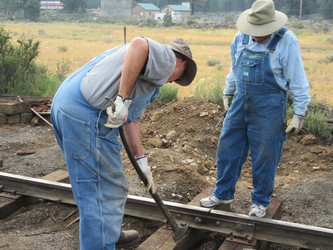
x: 178, y: 7
x: 148, y: 6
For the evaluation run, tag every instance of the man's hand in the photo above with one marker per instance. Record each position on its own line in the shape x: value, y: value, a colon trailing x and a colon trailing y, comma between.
x: 117, y: 113
x: 143, y: 164
x: 227, y: 99
x: 296, y: 124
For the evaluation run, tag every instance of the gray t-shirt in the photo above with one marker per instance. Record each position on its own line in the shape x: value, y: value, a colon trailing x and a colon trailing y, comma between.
x: 104, y: 78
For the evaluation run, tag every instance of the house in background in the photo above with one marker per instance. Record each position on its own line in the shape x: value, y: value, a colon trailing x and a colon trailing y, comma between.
x: 145, y: 10
x: 183, y: 9
x: 51, y: 5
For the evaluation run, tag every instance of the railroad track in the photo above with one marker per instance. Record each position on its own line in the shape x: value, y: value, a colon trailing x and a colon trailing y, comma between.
x: 240, y: 229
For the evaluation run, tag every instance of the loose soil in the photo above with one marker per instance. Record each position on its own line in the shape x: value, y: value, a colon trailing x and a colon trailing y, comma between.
x: 180, y: 139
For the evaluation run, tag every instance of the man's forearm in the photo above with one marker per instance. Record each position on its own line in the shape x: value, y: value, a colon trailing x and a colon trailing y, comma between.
x: 133, y: 137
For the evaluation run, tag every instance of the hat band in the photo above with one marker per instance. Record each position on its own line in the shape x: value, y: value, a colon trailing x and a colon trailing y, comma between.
x: 256, y: 21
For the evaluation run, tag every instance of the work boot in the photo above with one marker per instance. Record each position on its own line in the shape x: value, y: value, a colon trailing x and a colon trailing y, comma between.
x: 127, y: 238
x: 213, y: 201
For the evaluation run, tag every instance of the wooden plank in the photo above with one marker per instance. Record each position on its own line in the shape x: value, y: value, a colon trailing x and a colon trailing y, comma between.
x: 273, y: 212
x: 18, y: 201
x: 162, y: 238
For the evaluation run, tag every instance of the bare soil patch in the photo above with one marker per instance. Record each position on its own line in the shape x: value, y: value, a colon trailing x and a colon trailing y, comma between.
x: 180, y: 139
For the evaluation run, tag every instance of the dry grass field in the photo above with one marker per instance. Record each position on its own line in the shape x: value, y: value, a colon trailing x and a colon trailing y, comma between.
x: 78, y: 43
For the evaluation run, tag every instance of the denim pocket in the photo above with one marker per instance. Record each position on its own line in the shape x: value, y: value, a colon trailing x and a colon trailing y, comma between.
x: 107, y: 135
x: 76, y: 136
x: 86, y: 194
x: 251, y: 73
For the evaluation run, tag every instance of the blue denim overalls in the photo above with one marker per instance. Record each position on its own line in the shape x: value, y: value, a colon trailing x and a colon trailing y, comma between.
x: 92, y: 154
x: 255, y: 123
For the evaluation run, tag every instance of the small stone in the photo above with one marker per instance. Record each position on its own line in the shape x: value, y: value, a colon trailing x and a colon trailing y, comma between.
x: 309, y: 139
x: 172, y: 134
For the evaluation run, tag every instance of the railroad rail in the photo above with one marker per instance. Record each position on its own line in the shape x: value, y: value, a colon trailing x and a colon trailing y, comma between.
x: 236, y: 225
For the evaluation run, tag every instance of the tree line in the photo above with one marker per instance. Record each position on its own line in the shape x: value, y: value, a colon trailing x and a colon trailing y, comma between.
x: 297, y: 8
x: 289, y: 7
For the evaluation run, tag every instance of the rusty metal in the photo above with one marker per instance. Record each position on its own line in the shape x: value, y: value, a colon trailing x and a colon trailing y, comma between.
x: 36, y: 113
x: 238, y: 225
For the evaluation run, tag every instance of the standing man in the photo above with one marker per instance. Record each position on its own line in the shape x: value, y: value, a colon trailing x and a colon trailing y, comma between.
x: 110, y: 91
x: 266, y: 64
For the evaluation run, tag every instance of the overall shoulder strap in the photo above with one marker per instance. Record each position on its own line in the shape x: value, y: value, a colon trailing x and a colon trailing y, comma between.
x: 245, y: 40
x: 277, y: 37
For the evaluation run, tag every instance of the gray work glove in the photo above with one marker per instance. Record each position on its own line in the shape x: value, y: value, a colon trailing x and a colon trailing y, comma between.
x: 143, y: 164
x: 227, y: 99
x: 296, y: 124
x: 117, y: 112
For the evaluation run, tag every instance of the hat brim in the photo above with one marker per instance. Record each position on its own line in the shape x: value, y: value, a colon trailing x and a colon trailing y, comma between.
x: 244, y: 26
x: 189, y: 74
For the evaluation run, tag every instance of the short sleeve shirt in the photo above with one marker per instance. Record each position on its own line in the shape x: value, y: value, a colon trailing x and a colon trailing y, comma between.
x: 103, y: 79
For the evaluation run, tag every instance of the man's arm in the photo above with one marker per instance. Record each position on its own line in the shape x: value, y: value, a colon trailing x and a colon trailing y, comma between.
x: 133, y: 138
x: 135, y: 60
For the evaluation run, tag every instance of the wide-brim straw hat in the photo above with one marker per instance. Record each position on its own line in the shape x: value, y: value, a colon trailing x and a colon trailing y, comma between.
x: 261, y: 20
x: 191, y: 68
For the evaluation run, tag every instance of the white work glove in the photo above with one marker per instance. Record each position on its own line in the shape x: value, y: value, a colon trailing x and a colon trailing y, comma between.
x: 296, y: 124
x: 227, y: 99
x: 143, y: 164
x: 117, y: 112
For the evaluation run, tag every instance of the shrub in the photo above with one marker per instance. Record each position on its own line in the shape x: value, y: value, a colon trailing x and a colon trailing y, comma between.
x: 150, y: 22
x: 168, y: 93
x: 213, y: 61
x: 41, y: 32
x: 330, y: 40
x: 315, y: 122
x: 62, y: 48
x: 63, y: 69
x: 19, y: 73
x: 211, y: 91
x: 328, y: 59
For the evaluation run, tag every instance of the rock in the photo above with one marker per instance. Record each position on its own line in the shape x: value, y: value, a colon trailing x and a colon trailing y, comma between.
x: 316, y: 150
x: 172, y: 134
x: 194, y: 166
x: 156, y: 116
x: 309, y: 139
x: 155, y: 142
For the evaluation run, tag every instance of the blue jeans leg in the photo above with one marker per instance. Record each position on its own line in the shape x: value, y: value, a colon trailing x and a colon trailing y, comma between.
x: 231, y: 154
x: 266, y: 136
x: 92, y: 154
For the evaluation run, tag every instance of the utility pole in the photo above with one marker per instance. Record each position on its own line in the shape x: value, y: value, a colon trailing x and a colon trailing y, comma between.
x: 300, y: 9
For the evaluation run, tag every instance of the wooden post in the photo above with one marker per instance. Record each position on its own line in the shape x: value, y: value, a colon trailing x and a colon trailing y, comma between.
x: 124, y: 34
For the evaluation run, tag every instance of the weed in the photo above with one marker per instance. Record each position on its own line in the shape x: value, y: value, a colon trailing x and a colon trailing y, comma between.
x: 168, y: 93
x: 41, y: 32
x: 213, y: 61
x: 330, y: 40
x: 315, y: 121
x: 62, y: 48
x: 328, y: 59
x: 211, y: 91
x: 63, y: 69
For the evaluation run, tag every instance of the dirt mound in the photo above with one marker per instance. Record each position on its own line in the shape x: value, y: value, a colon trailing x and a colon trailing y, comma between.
x: 180, y: 140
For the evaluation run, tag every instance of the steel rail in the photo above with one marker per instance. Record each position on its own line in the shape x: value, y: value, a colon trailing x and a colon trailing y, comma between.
x: 235, y: 225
